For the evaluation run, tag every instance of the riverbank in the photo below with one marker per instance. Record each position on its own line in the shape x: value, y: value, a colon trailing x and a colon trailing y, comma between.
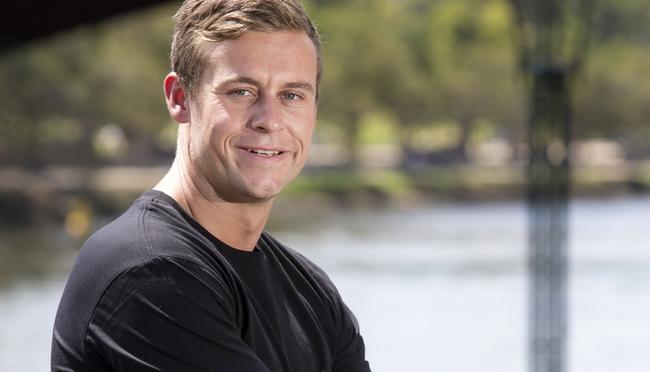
x: 33, y: 196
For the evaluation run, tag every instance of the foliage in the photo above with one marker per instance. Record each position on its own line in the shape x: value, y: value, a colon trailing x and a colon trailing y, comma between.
x: 394, y: 71
x: 611, y: 98
x: 65, y: 89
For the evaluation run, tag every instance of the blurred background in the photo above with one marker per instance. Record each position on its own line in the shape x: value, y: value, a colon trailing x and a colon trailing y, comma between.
x: 413, y: 199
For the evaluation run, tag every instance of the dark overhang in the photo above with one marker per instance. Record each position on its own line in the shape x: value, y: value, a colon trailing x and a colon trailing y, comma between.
x: 24, y: 21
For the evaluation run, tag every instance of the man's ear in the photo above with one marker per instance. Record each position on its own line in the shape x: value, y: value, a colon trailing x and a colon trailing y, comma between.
x: 177, y: 99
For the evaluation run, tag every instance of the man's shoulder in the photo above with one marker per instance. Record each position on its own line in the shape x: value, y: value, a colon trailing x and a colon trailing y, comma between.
x: 297, y: 265
x: 283, y: 251
x: 145, y: 232
x: 148, y: 238
x: 150, y: 227
x: 120, y: 242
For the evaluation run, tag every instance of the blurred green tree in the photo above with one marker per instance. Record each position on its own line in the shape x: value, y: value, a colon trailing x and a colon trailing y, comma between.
x: 419, y: 64
x: 612, y: 98
x: 65, y: 88
x: 475, y: 67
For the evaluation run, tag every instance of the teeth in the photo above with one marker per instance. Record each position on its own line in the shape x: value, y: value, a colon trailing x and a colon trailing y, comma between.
x: 264, y: 152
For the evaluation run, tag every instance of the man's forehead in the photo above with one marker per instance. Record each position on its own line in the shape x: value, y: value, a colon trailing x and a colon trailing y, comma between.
x: 283, y: 53
x: 287, y: 39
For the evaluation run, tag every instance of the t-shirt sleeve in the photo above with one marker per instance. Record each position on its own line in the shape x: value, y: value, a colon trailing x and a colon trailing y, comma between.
x: 170, y: 315
x: 350, y: 351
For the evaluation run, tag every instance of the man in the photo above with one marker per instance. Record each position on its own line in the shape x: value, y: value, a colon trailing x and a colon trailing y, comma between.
x: 186, y: 279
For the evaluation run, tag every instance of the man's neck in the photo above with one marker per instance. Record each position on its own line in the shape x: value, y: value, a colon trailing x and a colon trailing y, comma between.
x: 237, y: 224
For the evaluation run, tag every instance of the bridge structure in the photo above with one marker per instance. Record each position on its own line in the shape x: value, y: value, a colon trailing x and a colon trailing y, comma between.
x: 26, y: 21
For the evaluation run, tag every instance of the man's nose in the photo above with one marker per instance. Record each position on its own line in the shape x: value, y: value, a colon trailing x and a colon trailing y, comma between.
x: 267, y: 115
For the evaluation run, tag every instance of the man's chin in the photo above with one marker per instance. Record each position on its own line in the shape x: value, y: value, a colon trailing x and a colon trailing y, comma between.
x: 256, y: 193
x: 266, y: 194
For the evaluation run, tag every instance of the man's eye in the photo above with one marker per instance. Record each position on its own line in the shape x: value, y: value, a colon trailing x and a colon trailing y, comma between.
x: 241, y: 92
x: 291, y: 96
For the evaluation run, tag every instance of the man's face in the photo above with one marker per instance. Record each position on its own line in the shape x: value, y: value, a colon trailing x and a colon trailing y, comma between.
x: 253, y: 114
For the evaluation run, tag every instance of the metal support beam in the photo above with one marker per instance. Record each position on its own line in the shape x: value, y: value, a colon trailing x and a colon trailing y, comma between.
x: 548, y: 197
x: 552, y: 38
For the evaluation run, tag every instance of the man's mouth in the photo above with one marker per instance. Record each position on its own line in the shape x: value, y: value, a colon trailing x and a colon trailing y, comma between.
x: 266, y: 153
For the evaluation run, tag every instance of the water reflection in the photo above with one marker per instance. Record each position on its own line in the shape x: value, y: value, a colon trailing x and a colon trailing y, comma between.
x: 34, y: 254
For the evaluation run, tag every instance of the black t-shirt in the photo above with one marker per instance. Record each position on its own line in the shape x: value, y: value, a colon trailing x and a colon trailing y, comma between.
x: 154, y: 291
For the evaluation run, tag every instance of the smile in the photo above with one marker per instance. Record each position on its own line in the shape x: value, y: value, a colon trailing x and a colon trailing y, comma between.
x: 266, y: 153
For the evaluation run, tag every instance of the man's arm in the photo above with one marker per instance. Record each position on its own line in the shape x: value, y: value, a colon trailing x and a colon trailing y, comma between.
x: 170, y: 315
x: 350, y: 353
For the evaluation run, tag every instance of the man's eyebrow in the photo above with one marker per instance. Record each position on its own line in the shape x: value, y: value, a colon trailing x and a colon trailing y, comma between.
x: 301, y: 85
x: 240, y: 79
x: 247, y: 80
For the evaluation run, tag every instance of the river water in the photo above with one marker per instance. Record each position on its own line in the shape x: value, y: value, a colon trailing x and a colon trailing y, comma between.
x: 438, y: 287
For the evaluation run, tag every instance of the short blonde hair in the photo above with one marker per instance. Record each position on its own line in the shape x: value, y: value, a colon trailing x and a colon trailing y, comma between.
x: 198, y: 21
